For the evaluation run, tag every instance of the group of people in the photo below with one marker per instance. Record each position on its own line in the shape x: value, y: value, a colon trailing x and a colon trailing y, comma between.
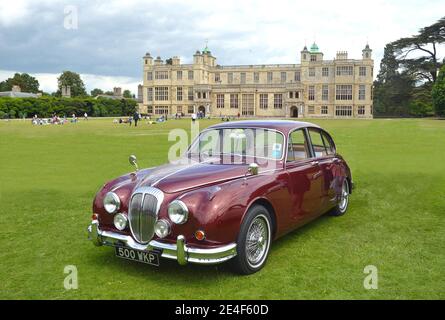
x: 55, y: 119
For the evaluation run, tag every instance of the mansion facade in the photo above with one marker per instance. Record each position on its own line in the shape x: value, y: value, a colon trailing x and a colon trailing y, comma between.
x: 315, y: 88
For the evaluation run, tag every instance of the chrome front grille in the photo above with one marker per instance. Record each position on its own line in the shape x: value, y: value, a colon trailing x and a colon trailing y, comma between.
x: 143, y: 213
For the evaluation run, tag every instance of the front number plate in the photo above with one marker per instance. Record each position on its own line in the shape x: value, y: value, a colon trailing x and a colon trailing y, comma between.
x: 149, y: 257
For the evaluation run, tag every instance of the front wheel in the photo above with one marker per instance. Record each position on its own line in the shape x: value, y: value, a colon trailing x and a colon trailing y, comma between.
x: 253, y: 241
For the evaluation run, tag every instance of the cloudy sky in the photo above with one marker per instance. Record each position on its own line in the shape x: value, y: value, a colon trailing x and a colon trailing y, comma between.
x: 110, y: 38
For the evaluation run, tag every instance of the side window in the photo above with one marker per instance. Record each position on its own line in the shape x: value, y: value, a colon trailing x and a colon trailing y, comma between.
x: 298, y: 146
x: 317, y: 143
x: 328, y: 143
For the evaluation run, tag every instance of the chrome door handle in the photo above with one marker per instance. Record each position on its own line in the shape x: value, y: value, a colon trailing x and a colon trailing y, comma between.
x: 314, y: 163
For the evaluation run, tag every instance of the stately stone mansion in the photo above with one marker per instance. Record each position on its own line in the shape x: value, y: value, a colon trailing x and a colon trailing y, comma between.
x: 315, y: 88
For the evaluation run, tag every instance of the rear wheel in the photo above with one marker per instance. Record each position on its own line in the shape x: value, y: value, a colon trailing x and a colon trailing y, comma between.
x: 342, y: 205
x: 253, y: 241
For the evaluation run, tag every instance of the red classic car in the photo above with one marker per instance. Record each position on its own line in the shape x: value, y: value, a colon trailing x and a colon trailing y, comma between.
x: 239, y: 186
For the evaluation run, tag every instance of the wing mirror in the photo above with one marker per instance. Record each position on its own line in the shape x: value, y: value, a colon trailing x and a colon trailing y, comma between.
x: 133, y: 161
x: 253, y: 169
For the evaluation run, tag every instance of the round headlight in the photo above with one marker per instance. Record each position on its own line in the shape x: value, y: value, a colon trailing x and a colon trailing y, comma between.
x: 112, y: 202
x: 178, y: 212
x: 120, y: 221
x: 162, y: 228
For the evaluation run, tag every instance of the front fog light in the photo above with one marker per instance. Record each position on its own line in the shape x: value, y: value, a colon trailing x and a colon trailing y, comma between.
x: 162, y: 228
x: 112, y: 202
x: 120, y: 221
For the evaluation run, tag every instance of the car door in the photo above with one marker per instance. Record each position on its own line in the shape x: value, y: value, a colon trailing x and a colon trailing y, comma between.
x: 305, y: 178
x: 324, y: 153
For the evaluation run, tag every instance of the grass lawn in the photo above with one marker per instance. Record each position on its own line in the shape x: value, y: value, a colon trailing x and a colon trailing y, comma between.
x: 396, y: 219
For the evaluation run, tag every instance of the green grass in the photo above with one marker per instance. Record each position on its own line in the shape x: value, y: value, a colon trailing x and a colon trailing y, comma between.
x: 396, y: 219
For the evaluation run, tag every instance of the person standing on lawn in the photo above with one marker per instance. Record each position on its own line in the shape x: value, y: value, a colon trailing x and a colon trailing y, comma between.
x: 136, y: 118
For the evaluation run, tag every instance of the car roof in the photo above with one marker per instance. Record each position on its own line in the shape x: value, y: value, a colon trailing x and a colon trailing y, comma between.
x: 284, y: 126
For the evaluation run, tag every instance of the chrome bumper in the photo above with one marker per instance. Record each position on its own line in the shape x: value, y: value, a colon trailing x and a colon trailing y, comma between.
x: 179, y: 251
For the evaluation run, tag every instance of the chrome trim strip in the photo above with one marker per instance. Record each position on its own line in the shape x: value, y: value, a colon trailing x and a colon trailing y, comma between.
x: 178, y: 251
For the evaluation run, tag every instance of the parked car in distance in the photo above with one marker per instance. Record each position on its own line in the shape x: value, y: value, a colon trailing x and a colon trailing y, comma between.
x: 239, y: 186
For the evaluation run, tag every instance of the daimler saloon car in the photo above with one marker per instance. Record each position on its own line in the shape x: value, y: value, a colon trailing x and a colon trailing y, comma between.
x: 239, y: 186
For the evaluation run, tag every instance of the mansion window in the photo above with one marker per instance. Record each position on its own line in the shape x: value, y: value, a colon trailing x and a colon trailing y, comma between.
x: 324, y: 109
x: 220, y: 101
x: 161, y: 109
x: 283, y: 77
x: 269, y: 77
x: 230, y: 77
x: 310, y: 109
x: 217, y: 77
x: 191, y: 75
x: 179, y: 93
x: 149, y: 94
x: 190, y: 94
x: 179, y: 109
x: 243, y: 77
x: 294, y: 94
x: 311, y: 93
x: 343, y: 92
x: 325, y: 92
x: 313, y: 57
x: 150, y: 109
x: 161, y: 93
x: 190, y: 109
x: 149, y: 76
x: 362, y: 92
x: 361, y: 110
x: 256, y: 77
x: 297, y: 76
x: 278, y: 101
x: 234, y: 101
x: 325, y: 72
x: 264, y: 99
x: 343, y: 111
x: 179, y: 75
x: 362, y: 71
x: 247, y: 105
x: 344, y: 71
x: 161, y: 75
x: 312, y: 72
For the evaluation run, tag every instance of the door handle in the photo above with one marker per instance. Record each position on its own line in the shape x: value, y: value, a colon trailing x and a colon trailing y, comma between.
x: 314, y: 163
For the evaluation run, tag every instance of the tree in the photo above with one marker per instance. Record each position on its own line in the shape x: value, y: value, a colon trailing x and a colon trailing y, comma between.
x: 95, y: 92
x: 127, y: 94
x: 438, y: 93
x: 26, y: 83
x: 392, y: 89
x: 109, y: 93
x: 72, y: 79
x: 423, y: 67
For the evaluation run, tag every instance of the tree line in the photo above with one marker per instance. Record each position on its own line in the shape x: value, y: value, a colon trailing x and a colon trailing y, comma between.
x: 30, y: 84
x: 411, y: 81
x: 47, y: 106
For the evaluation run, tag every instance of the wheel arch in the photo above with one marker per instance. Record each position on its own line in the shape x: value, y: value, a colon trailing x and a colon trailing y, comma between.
x: 268, y: 205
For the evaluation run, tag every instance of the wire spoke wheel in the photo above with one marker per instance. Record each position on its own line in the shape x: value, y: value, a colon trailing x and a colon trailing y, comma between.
x: 257, y: 241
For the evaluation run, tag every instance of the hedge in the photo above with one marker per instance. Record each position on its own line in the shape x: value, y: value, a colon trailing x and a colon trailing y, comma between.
x: 47, y: 106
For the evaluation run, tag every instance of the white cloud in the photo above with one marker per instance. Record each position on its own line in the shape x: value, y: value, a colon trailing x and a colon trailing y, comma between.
x: 113, y: 35
x: 13, y: 13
